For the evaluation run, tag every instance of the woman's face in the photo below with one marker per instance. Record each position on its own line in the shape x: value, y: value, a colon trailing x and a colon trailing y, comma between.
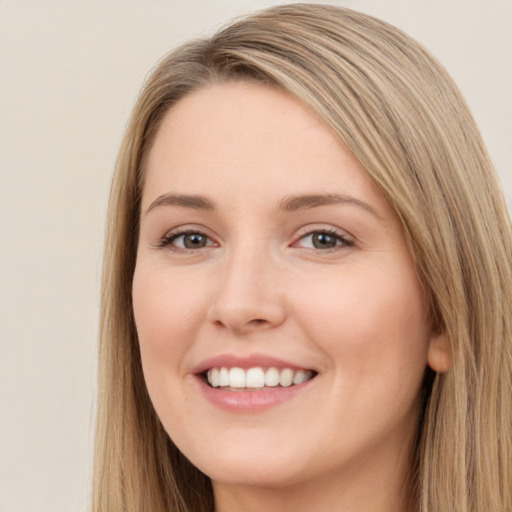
x: 266, y: 252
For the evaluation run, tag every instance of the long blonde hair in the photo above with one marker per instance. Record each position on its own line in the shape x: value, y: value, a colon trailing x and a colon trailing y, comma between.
x: 400, y: 114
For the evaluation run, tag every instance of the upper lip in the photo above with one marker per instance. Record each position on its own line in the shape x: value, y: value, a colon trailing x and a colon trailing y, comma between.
x: 245, y: 362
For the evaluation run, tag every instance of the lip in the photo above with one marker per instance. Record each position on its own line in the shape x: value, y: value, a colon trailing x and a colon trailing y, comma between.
x: 253, y: 400
x: 248, y: 401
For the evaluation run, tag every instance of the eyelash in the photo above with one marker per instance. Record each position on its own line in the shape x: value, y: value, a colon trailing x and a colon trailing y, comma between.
x: 168, y: 239
x: 342, y: 242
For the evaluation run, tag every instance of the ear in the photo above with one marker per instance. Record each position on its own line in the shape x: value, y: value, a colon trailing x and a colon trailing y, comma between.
x: 439, y: 356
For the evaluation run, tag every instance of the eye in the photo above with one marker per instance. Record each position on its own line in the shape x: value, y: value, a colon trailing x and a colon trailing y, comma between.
x: 187, y: 240
x: 324, y: 240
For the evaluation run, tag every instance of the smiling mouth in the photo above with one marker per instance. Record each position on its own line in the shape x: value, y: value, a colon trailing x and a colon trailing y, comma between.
x: 257, y: 378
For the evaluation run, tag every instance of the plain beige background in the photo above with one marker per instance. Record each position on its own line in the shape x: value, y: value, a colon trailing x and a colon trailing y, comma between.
x: 70, y: 71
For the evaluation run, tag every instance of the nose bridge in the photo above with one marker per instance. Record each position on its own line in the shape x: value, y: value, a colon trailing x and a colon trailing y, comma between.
x: 247, y: 296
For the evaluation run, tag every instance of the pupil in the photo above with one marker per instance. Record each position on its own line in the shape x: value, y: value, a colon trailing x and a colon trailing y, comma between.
x: 323, y: 241
x: 194, y: 241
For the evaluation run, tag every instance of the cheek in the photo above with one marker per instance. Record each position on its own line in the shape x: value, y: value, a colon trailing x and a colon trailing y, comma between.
x: 168, y: 313
x: 167, y: 316
x: 371, y: 322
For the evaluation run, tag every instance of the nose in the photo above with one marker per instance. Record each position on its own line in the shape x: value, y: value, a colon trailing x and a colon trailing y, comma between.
x: 248, y: 296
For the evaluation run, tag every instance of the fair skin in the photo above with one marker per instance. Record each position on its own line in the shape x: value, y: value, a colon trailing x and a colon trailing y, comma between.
x: 324, y: 284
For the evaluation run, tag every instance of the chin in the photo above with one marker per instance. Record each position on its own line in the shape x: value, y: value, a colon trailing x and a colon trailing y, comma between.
x: 257, y: 475
x: 253, y: 466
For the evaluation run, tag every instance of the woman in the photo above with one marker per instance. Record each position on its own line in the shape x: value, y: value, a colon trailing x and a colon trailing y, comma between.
x: 307, y: 281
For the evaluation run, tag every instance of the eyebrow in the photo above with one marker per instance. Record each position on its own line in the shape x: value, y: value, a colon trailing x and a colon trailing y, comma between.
x: 304, y: 202
x: 185, y: 201
x: 288, y: 204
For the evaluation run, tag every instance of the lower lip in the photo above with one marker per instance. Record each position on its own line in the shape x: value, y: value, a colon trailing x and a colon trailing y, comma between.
x: 251, y: 400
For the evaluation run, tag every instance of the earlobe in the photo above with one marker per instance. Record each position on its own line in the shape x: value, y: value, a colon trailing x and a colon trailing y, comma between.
x: 439, y: 353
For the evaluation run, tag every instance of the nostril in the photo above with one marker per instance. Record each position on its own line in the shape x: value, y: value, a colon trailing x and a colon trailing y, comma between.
x: 257, y: 322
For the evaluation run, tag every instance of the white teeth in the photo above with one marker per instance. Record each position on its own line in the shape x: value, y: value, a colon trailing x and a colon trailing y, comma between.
x: 286, y: 377
x: 236, y: 378
x: 223, y: 377
x: 272, y: 377
x: 256, y: 378
x: 300, y: 377
x: 215, y: 377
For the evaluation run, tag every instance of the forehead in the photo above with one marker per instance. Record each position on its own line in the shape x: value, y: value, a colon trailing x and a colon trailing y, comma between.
x: 245, y: 138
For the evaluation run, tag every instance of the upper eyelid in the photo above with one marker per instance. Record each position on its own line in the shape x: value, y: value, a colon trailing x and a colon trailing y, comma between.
x: 309, y: 229
x: 188, y: 228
